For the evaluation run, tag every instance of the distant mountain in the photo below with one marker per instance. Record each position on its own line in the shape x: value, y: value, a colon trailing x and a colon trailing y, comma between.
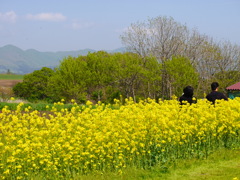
x: 19, y: 61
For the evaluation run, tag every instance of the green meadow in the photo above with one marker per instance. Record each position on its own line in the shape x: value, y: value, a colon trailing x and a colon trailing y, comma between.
x: 11, y: 76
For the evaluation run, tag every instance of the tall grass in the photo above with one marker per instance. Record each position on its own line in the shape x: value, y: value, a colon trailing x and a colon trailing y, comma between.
x: 224, y: 164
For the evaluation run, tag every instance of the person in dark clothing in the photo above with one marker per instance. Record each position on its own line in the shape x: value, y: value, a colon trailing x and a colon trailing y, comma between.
x: 214, y: 95
x: 187, y: 96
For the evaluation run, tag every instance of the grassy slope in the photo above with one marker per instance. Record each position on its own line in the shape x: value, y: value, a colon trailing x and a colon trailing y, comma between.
x: 221, y: 165
x: 224, y: 164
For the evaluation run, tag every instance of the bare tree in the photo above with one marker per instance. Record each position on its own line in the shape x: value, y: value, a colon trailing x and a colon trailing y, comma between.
x: 229, y: 56
x: 163, y: 38
x: 228, y: 63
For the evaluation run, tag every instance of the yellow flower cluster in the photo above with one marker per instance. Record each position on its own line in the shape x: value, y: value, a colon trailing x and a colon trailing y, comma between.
x: 109, y: 138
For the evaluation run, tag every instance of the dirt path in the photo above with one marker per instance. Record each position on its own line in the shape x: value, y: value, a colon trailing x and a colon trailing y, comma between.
x: 8, y: 83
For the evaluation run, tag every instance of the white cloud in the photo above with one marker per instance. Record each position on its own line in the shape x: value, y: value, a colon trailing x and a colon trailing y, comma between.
x: 8, y: 16
x: 47, y: 17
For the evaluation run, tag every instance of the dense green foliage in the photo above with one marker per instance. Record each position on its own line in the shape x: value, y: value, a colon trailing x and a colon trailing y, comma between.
x: 34, y: 85
x: 181, y: 73
x: 98, y: 76
x: 101, y: 76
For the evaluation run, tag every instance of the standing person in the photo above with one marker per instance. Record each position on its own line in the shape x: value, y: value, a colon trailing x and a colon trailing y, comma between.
x: 187, y: 96
x: 212, y: 96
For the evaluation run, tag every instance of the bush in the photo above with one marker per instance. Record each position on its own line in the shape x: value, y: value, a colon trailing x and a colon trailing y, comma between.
x: 5, y: 94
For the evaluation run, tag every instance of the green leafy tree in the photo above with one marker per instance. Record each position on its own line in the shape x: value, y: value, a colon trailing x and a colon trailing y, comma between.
x: 34, y: 85
x: 100, y: 65
x: 151, y: 78
x: 69, y: 81
x: 128, y: 73
x: 180, y: 74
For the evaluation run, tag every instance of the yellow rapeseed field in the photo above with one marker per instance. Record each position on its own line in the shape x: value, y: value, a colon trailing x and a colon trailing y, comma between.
x: 63, y: 144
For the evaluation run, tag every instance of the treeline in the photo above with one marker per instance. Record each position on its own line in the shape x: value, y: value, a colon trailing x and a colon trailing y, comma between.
x: 99, y: 76
x: 164, y: 56
x: 163, y: 38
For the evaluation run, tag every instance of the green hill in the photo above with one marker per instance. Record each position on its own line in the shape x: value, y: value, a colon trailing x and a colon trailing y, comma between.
x: 19, y: 61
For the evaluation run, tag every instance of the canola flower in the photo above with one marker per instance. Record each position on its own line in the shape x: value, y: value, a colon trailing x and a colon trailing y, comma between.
x: 65, y: 143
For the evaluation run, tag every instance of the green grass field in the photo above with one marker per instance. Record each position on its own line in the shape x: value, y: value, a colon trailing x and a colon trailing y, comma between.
x: 223, y: 164
x: 11, y: 76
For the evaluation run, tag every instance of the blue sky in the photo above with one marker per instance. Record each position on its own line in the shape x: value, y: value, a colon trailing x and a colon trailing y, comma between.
x: 65, y: 25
